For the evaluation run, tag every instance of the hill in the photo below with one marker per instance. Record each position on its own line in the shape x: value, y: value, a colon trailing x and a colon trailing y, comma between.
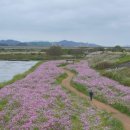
x: 63, y: 43
x: 66, y: 43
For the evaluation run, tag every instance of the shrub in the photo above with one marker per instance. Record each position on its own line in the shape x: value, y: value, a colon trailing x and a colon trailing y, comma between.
x: 54, y: 51
x: 104, y: 65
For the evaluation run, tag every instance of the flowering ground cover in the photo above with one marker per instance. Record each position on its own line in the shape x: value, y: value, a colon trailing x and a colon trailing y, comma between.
x: 37, y: 102
x: 104, y: 88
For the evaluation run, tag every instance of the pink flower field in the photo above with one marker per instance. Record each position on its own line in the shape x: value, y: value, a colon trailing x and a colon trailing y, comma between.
x: 37, y: 102
x: 103, y: 87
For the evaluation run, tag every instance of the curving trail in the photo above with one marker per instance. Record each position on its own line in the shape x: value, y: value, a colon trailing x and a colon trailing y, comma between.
x: 115, y: 113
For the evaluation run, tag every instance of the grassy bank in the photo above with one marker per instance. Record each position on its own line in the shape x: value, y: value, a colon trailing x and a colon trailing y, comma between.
x: 23, y: 56
x: 117, y: 69
x: 123, y: 59
x: 120, y: 75
x: 20, y: 76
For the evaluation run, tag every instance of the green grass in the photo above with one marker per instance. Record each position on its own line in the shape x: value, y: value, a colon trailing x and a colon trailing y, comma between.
x: 101, y: 98
x: 76, y: 123
x: 20, y: 76
x: 112, y: 122
x: 116, y: 125
x: 74, y: 71
x: 123, y: 59
x: 80, y: 87
x: 36, y: 128
x: 122, y: 108
x: 3, y: 103
x: 63, y: 64
x: 61, y: 77
x: 7, y: 117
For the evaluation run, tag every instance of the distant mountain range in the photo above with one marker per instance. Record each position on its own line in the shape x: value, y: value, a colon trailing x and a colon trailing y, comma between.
x: 66, y: 43
x: 63, y: 43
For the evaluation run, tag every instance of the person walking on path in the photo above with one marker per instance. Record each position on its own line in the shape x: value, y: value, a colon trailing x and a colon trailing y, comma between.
x: 91, y: 95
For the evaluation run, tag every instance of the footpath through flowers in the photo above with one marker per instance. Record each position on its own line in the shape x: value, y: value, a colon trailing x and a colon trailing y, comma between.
x: 37, y: 102
x: 104, y: 88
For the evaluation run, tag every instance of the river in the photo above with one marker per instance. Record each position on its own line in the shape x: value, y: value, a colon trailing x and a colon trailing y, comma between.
x: 8, y: 69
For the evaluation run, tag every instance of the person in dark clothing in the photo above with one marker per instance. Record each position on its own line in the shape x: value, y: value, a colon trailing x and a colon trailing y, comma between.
x: 91, y: 95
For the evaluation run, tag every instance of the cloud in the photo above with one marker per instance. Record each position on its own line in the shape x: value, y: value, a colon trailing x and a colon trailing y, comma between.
x: 99, y: 21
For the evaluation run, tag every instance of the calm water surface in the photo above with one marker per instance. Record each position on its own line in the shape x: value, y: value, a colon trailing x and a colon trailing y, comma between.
x: 8, y: 69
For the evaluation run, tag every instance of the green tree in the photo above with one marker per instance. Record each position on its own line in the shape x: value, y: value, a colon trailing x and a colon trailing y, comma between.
x: 54, y: 51
x: 118, y: 48
x: 76, y: 52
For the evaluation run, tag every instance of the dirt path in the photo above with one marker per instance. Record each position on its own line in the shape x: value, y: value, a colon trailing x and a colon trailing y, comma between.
x: 115, y: 113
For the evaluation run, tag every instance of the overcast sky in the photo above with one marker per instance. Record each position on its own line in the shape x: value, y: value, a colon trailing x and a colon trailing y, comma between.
x: 105, y: 22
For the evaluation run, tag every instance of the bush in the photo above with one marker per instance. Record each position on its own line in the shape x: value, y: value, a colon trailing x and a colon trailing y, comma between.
x: 104, y: 65
x: 118, y: 49
x: 54, y: 51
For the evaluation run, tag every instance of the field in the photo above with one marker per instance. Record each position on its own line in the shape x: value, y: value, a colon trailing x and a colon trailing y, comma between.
x: 39, y: 102
x: 39, y: 99
x: 64, y: 65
